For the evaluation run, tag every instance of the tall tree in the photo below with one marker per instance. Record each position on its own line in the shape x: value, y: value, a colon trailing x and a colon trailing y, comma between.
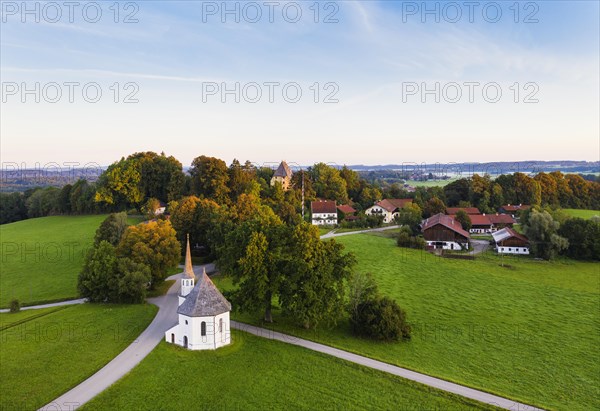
x: 210, y: 178
x: 154, y: 244
x: 542, y: 232
x: 119, y: 185
x: 161, y: 176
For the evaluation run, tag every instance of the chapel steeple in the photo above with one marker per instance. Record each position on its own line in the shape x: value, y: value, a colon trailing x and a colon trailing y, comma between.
x: 187, y: 277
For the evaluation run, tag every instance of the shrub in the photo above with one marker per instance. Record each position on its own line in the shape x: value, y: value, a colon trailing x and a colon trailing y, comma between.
x: 381, y: 319
x: 15, y: 306
x: 406, y: 239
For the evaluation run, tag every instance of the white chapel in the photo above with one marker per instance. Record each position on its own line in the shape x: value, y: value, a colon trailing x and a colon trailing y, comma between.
x: 203, y: 312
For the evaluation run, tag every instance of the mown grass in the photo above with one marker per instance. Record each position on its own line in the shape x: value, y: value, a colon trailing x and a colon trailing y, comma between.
x: 41, y: 257
x: 42, y: 358
x: 529, y: 331
x: 585, y: 214
x: 254, y: 373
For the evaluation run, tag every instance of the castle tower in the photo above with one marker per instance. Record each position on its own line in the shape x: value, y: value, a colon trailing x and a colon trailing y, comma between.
x: 188, y: 277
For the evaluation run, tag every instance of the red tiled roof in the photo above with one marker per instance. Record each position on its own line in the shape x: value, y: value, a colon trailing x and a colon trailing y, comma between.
x: 507, y: 233
x: 446, y: 221
x: 324, y: 206
x: 346, y: 209
x: 480, y: 219
x: 391, y: 204
x: 516, y: 207
x: 468, y: 210
x: 502, y: 219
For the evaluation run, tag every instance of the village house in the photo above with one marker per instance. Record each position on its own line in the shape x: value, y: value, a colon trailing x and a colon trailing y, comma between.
x: 501, y: 221
x: 323, y: 212
x: 443, y: 232
x: 508, y: 241
x: 203, y: 313
x: 480, y: 224
x: 282, y: 175
x: 513, y: 210
x: 388, y: 208
x: 468, y: 210
x: 347, y: 213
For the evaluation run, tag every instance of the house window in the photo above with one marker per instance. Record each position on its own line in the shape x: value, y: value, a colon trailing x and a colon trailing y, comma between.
x: 186, y: 323
x: 203, y: 329
x: 221, y: 325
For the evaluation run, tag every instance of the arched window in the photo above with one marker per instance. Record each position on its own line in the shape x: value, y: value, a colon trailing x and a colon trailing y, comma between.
x: 203, y: 328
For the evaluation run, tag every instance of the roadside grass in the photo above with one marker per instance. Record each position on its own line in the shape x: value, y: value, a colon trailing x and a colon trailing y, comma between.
x: 324, y: 230
x: 585, y: 214
x: 529, y: 333
x: 46, y: 356
x: 41, y: 257
x: 255, y: 373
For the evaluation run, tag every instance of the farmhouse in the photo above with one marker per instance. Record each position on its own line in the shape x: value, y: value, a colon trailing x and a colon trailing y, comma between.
x: 480, y: 224
x: 468, y: 210
x: 388, y: 208
x: 501, y: 221
x: 347, y: 212
x: 323, y: 212
x: 203, y: 312
x: 443, y: 232
x: 282, y: 175
x: 508, y: 241
x: 513, y: 210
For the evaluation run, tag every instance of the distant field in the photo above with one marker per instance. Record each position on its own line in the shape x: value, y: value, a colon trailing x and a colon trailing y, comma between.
x: 44, y: 357
x: 259, y: 374
x: 528, y: 331
x: 41, y: 257
x: 585, y: 214
x: 430, y: 183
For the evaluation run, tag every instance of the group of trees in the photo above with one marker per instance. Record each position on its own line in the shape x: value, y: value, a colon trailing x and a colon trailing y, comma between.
x: 125, y: 260
x: 554, y: 189
x: 551, y: 232
x: 75, y: 198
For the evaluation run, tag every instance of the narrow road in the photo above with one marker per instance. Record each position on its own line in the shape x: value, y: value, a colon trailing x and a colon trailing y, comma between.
x: 58, y: 304
x: 368, y: 230
x: 167, y: 317
x: 385, y: 367
x: 129, y: 358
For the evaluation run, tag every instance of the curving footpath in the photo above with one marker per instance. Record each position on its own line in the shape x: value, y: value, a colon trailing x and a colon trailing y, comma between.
x: 332, y: 233
x: 167, y: 317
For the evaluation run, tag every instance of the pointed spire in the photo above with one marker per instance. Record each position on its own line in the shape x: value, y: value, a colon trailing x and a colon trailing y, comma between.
x: 188, y: 271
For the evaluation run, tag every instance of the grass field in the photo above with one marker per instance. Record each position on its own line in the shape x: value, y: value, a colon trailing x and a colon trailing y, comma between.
x: 585, y: 214
x: 44, y: 357
x: 431, y: 183
x: 528, y: 331
x: 259, y: 374
x: 41, y: 257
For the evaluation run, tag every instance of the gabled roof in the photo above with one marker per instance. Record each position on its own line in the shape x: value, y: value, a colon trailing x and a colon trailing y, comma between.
x: 346, y: 209
x: 515, y: 207
x: 506, y: 233
x: 480, y: 219
x: 323, y: 206
x: 188, y: 271
x: 204, y: 300
x: 468, y: 210
x: 283, y: 170
x: 392, y: 204
x: 502, y: 219
x: 446, y: 221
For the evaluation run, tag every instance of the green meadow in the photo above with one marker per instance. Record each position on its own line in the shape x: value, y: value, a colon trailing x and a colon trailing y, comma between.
x: 254, y: 373
x: 46, y: 352
x: 528, y: 330
x: 41, y: 257
x: 585, y: 214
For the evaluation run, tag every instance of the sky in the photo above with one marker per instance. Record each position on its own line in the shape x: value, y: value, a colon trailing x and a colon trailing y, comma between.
x: 347, y: 82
